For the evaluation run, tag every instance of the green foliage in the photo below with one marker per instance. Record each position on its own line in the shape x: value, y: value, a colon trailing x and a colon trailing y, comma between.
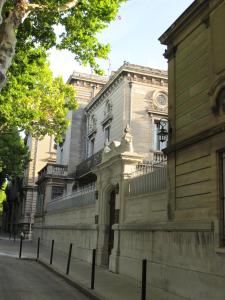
x: 33, y: 100
x: 2, y: 196
x: 81, y: 22
x: 13, y: 155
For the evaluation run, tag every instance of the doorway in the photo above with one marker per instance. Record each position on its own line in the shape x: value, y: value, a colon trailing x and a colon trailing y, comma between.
x: 112, y: 203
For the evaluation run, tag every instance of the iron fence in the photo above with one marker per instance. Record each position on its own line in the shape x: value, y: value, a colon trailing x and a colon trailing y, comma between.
x: 81, y: 197
x: 147, y: 178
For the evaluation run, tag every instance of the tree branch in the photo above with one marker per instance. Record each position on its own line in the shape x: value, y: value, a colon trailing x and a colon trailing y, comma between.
x: 2, y: 2
x: 67, y: 5
x: 64, y: 7
x: 32, y: 6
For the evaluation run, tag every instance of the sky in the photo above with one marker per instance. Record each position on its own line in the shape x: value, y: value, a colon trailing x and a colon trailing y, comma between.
x: 133, y: 37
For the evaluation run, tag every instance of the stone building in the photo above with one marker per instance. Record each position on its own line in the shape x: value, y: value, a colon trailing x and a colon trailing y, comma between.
x: 58, y: 179
x: 20, y: 207
x: 133, y: 96
x: 41, y: 152
x: 111, y: 197
x: 194, y: 253
x: 73, y: 149
x: 177, y: 226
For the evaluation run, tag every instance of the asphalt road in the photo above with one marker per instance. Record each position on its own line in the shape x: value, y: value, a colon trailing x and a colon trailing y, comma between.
x: 27, y: 280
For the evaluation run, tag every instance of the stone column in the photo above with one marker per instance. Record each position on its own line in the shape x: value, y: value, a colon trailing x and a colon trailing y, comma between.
x: 114, y: 257
x: 103, y: 227
x: 48, y: 195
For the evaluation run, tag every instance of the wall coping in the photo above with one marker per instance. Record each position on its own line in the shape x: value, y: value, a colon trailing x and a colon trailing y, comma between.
x: 189, y: 226
x: 69, y: 227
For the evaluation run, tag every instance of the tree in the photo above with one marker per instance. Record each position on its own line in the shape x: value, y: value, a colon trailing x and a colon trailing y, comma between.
x: 13, y: 155
x: 2, y: 196
x: 32, y: 99
x: 33, y: 21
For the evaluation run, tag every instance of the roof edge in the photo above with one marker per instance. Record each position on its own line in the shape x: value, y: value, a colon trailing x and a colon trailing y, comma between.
x: 127, y: 67
x: 183, y: 20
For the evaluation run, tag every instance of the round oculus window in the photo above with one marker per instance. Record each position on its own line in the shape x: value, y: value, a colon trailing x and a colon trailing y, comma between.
x: 161, y: 99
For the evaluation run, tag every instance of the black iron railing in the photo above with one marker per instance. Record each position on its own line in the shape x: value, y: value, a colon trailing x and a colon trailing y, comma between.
x: 85, y: 166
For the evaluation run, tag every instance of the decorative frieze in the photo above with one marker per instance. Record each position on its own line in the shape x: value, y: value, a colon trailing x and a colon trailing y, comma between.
x: 131, y: 73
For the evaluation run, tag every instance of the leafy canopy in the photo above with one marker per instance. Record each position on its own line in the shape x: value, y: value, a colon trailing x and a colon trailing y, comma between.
x: 81, y: 19
x: 13, y: 155
x: 2, y: 196
x: 32, y: 99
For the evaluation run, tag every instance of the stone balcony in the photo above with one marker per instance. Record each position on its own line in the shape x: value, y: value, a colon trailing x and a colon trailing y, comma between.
x: 85, y: 166
x: 159, y: 156
x: 53, y: 170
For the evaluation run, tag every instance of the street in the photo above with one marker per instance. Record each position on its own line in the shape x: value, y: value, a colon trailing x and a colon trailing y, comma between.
x: 27, y: 280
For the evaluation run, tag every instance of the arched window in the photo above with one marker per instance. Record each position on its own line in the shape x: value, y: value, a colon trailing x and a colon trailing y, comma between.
x: 220, y: 102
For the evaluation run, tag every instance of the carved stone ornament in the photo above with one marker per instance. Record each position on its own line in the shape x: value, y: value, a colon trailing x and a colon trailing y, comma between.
x: 106, y: 148
x: 115, y: 147
x: 126, y: 141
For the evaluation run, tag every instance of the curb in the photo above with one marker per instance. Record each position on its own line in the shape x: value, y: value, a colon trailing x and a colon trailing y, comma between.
x: 79, y: 286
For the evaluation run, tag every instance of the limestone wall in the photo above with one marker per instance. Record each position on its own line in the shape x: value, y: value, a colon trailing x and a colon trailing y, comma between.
x: 146, y: 208
x: 69, y: 226
x: 182, y: 262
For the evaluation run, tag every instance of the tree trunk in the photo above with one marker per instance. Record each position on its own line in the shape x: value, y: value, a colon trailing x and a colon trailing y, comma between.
x: 8, y: 36
x: 2, y: 2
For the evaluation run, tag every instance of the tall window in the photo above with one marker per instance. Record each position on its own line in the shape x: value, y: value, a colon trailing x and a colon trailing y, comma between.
x: 157, y: 145
x: 107, y: 133
x: 92, y: 146
x: 57, y: 191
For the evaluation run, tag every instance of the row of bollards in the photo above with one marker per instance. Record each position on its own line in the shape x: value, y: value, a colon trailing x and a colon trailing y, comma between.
x: 144, y: 277
x: 144, y: 264
x: 68, y: 260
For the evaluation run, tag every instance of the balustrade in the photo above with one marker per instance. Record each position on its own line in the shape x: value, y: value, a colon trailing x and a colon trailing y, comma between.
x: 53, y: 169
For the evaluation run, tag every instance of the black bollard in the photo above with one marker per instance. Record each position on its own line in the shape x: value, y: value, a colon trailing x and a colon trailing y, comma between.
x: 38, y: 249
x: 52, y: 249
x: 21, y: 246
x: 93, y: 269
x: 69, y: 258
x: 144, y: 273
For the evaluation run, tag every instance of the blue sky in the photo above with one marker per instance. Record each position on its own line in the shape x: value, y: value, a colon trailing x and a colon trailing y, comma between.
x: 133, y: 37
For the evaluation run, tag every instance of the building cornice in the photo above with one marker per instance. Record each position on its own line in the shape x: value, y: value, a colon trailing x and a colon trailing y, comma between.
x: 186, y: 18
x: 88, y: 78
x: 185, y: 226
x: 134, y: 73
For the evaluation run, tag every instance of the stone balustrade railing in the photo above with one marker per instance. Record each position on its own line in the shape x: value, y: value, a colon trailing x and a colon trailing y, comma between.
x: 81, y: 197
x: 53, y: 170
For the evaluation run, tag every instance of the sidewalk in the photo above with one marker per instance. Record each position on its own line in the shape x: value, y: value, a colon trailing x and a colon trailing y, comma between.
x: 108, y: 286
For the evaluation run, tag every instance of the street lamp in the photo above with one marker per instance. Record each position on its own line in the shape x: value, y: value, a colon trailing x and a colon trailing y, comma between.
x: 163, y: 130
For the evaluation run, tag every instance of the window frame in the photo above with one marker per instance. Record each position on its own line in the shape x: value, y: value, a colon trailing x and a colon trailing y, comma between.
x: 59, y: 194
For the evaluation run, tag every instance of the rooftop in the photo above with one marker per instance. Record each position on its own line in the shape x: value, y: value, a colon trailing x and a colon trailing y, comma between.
x: 129, y: 68
x: 88, y: 77
x: 183, y: 20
